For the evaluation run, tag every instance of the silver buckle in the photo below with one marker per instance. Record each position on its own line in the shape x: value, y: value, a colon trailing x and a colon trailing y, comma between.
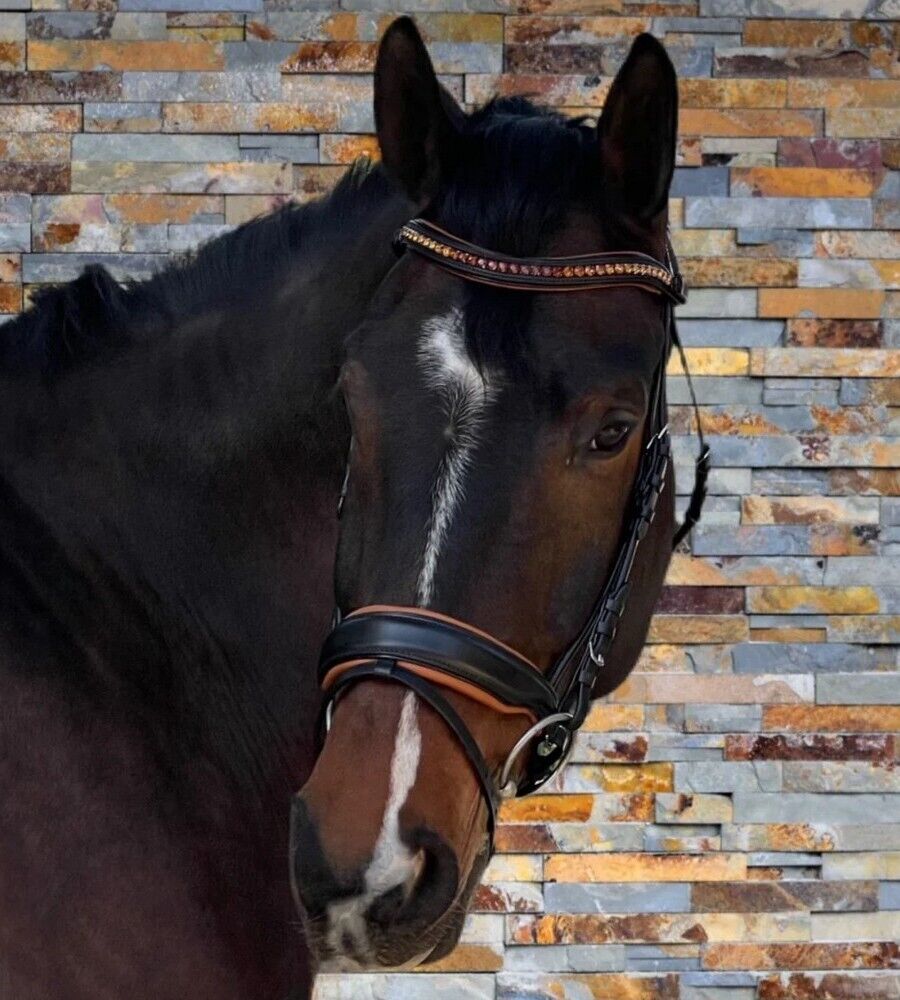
x: 508, y: 787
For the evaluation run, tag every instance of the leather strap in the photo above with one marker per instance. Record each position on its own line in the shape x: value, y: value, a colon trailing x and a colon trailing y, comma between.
x: 390, y: 670
x: 452, y: 648
x: 538, y: 274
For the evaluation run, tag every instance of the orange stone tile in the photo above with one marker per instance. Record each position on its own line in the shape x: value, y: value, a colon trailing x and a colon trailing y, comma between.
x: 655, y: 777
x: 711, y: 361
x: 347, y: 148
x: 12, y: 55
x: 10, y: 298
x: 801, y: 955
x: 332, y: 57
x: 104, y: 54
x: 801, y: 182
x: 837, y: 303
x: 10, y: 267
x: 750, y: 123
x: 795, y: 34
x: 737, y: 272
x: 529, y: 30
x: 470, y: 957
x: 698, y: 628
x: 272, y: 117
x: 604, y: 718
x: 547, y: 809
x: 788, y: 634
x: 812, y: 600
x: 150, y: 209
x: 630, y: 867
x: 831, y: 718
x: 838, y: 93
x: 720, y: 94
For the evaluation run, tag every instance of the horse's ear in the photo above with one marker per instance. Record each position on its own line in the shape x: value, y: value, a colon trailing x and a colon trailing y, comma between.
x: 415, y: 117
x: 638, y: 132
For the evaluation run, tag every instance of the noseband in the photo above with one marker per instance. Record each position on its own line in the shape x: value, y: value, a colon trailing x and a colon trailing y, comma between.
x: 430, y: 653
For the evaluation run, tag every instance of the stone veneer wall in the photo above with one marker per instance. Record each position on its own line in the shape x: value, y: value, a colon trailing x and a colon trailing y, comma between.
x: 730, y: 826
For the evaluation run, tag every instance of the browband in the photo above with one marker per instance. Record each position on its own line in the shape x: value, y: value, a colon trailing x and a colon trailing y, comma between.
x: 538, y: 274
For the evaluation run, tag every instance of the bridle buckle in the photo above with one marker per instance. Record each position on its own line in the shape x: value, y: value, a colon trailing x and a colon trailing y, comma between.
x: 508, y: 788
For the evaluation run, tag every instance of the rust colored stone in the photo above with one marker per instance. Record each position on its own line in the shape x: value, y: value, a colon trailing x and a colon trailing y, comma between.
x: 332, y: 57
x: 676, y: 600
x: 10, y: 298
x: 795, y: 63
x: 35, y: 178
x: 524, y: 839
x: 827, y: 987
x: 781, y: 897
x: 865, y: 482
x: 56, y: 236
x: 811, y: 746
x: 37, y: 87
x: 802, y: 955
x: 834, y: 333
x: 862, y: 154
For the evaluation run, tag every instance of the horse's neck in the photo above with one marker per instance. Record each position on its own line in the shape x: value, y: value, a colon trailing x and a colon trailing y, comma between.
x: 172, y: 514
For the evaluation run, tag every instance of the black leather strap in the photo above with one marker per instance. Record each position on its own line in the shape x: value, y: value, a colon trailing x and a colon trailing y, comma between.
x: 389, y: 670
x: 453, y: 650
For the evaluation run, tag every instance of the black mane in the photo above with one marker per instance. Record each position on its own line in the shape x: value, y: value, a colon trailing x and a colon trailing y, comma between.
x: 94, y: 313
x: 519, y: 168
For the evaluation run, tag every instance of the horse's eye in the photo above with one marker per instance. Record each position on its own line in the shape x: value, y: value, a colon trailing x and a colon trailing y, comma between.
x: 610, y: 437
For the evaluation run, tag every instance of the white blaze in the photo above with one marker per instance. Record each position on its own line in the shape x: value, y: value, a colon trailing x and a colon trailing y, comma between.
x: 466, y: 394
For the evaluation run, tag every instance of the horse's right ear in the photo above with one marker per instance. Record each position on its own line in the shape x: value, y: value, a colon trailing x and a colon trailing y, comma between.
x: 416, y: 119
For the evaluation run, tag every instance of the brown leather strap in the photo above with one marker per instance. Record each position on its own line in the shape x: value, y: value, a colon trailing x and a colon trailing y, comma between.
x: 538, y: 274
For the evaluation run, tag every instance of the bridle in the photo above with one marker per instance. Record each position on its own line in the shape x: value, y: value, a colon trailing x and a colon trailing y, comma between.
x: 428, y: 652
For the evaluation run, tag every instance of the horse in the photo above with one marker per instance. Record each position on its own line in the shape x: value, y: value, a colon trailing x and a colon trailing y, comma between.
x: 175, y: 822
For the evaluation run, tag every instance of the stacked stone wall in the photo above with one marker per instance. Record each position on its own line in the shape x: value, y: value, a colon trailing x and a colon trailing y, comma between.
x: 729, y: 827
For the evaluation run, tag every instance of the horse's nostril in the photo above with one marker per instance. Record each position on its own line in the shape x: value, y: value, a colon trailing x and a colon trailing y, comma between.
x: 428, y: 890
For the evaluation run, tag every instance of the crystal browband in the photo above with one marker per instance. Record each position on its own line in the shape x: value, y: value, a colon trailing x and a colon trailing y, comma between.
x: 534, y: 274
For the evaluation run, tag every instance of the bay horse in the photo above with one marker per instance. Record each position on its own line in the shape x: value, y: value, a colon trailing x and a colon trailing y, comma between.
x: 173, y: 455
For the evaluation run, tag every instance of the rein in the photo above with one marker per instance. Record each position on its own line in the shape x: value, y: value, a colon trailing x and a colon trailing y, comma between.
x: 428, y: 652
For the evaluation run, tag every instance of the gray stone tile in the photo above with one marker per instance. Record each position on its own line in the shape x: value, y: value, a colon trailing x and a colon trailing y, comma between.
x: 799, y: 807
x: 844, y: 571
x: 55, y: 267
x: 156, y: 148
x: 618, y: 897
x: 292, y: 148
x: 15, y: 236
x: 728, y: 776
x: 858, y: 689
x: 722, y: 718
x: 731, y: 333
x: 768, y: 213
x: 795, y: 658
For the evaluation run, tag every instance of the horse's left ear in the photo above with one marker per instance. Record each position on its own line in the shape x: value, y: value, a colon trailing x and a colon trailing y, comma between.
x: 416, y: 119
x: 638, y: 131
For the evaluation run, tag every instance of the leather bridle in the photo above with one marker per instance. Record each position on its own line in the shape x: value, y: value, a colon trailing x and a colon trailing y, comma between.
x: 429, y: 652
